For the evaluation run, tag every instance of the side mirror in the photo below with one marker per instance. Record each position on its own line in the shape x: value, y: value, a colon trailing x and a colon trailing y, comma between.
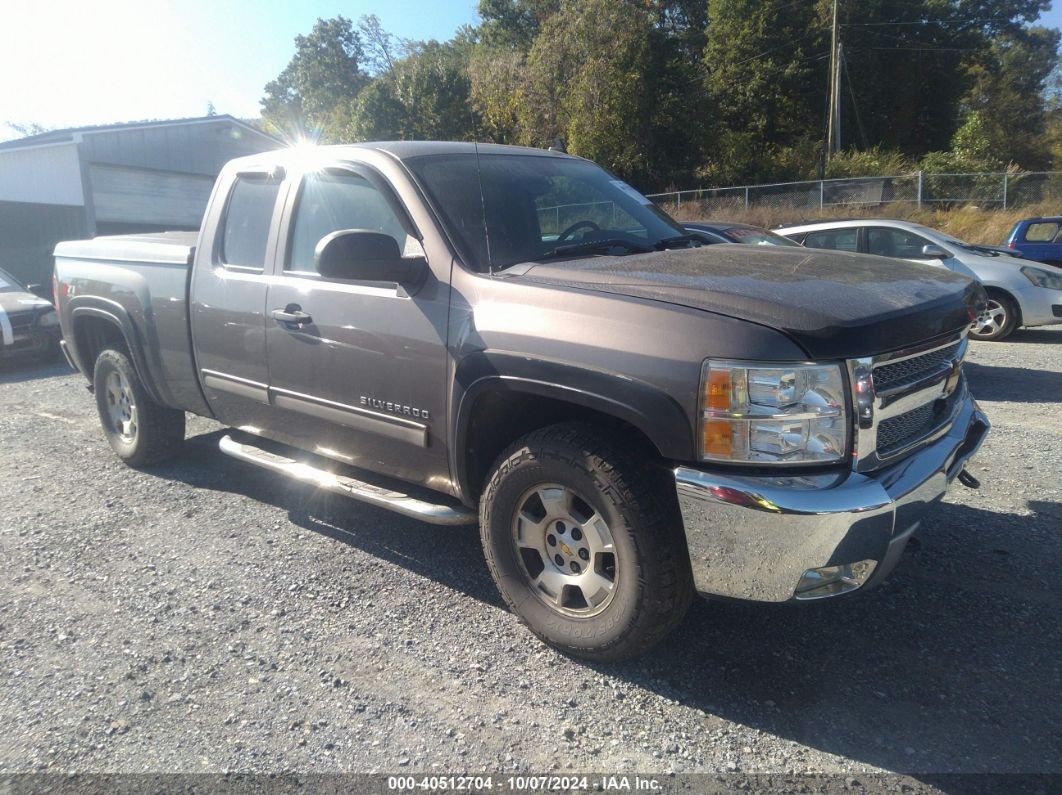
x: 39, y: 290
x: 366, y: 256
x: 933, y: 251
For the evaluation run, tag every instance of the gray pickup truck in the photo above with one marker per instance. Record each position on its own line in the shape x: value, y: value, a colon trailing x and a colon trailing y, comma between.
x: 516, y: 337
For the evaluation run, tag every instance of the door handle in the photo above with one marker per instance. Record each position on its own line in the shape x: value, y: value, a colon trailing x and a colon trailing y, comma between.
x: 292, y: 314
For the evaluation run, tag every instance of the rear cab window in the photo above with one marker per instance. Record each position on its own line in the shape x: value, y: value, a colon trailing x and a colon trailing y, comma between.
x: 248, y: 217
x: 1043, y: 232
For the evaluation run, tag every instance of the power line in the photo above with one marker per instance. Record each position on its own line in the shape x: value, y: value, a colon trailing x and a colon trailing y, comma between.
x: 765, y: 53
x: 919, y: 49
x: 952, y: 21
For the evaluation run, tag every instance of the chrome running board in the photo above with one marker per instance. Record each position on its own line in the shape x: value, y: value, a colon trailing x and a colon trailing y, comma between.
x: 433, y: 513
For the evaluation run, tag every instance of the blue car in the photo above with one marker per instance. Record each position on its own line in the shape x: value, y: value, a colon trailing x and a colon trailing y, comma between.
x: 1037, y: 239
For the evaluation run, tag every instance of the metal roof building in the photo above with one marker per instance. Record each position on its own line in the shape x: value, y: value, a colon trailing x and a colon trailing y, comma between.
x: 113, y: 179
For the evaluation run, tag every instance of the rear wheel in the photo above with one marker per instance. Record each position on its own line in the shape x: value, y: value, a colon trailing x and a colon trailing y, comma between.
x: 584, y: 543
x: 138, y: 429
x: 997, y: 320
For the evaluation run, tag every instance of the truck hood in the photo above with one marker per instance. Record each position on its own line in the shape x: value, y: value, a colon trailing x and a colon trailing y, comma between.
x: 833, y: 304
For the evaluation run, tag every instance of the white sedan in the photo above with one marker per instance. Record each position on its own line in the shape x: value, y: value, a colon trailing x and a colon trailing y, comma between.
x: 1020, y: 292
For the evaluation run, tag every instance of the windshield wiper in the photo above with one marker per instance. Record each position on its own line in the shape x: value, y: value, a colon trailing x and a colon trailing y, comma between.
x: 677, y: 241
x: 602, y: 246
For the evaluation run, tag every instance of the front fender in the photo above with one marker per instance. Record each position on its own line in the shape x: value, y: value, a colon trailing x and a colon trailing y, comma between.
x: 653, y: 412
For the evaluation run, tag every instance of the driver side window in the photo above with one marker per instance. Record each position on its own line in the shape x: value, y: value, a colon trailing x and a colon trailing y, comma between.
x: 332, y: 201
x: 834, y: 239
x: 887, y: 242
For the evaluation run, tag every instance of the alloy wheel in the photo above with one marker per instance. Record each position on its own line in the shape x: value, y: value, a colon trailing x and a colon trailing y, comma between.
x: 566, y: 550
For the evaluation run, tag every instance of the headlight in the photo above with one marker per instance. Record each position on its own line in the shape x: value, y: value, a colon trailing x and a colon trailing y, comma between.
x: 772, y: 413
x: 1042, y: 278
x: 48, y: 319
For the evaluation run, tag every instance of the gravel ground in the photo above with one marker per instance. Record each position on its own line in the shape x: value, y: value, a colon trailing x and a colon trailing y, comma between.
x: 204, y: 616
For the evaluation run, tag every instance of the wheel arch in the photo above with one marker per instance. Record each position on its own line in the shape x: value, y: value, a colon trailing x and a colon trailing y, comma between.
x: 993, y: 289
x: 496, y: 408
x: 95, y: 323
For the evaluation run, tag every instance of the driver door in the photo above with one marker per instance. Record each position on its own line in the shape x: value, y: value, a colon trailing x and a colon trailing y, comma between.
x: 899, y: 244
x: 361, y: 377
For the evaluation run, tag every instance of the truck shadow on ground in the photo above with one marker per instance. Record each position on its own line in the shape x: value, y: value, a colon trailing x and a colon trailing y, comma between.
x: 951, y: 666
x: 18, y: 370
x: 1013, y: 384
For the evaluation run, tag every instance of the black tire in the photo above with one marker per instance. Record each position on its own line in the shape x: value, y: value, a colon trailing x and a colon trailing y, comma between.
x: 652, y: 582
x: 155, y: 433
x: 1000, y: 327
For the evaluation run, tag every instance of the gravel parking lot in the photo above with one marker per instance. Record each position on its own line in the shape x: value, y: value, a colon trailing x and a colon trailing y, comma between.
x: 204, y: 616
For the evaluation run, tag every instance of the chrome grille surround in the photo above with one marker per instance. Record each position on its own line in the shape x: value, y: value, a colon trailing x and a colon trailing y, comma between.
x: 905, y: 399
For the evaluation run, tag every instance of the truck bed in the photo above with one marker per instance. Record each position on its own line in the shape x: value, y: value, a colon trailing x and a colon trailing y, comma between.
x: 167, y: 248
x: 145, y: 278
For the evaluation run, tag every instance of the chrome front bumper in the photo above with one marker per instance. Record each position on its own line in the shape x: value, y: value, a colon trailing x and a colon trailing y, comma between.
x: 755, y: 537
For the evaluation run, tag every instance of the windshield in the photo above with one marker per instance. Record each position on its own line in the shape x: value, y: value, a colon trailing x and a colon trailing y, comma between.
x: 537, y: 207
x: 940, y: 237
x: 756, y: 237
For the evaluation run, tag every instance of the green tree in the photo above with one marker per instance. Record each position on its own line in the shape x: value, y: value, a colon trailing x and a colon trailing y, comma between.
x: 424, y: 95
x: 589, y: 70
x: 513, y: 24
x: 765, y: 83
x: 1007, y: 95
x: 316, y: 87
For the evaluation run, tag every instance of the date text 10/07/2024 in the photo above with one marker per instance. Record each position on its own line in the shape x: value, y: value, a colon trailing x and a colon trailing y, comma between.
x: 521, y: 783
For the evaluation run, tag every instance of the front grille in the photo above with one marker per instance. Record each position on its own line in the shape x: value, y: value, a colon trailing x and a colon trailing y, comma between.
x: 908, y: 371
x: 20, y: 321
x: 898, y: 400
x: 897, y: 433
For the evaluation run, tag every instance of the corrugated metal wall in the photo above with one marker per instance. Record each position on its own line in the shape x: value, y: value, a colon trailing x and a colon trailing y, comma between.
x: 201, y: 147
x: 148, y: 178
x: 29, y: 232
x: 142, y: 196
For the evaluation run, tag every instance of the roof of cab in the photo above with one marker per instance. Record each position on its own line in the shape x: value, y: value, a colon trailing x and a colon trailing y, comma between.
x: 401, y: 150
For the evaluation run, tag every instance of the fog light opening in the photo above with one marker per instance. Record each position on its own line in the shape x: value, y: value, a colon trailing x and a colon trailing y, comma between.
x: 833, y: 580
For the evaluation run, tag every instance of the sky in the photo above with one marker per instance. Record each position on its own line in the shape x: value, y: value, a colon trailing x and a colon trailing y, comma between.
x: 66, y: 63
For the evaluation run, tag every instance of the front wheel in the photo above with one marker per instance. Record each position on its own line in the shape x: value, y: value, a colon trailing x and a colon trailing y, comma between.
x: 584, y: 544
x: 997, y: 320
x: 138, y: 429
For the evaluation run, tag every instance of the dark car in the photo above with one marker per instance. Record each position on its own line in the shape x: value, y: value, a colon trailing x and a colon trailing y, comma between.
x: 28, y: 323
x: 1038, y: 239
x: 710, y: 232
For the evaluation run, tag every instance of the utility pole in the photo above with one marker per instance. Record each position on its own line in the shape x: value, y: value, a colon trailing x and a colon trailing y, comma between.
x: 833, y: 132
x: 837, y: 98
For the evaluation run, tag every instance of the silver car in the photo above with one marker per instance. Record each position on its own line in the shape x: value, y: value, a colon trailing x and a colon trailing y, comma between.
x: 1020, y: 293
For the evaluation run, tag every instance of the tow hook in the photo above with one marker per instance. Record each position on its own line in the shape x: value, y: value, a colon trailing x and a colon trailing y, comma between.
x: 968, y: 480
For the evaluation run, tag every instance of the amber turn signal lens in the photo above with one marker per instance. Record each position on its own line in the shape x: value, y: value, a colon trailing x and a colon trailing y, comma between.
x: 718, y: 437
x: 718, y: 390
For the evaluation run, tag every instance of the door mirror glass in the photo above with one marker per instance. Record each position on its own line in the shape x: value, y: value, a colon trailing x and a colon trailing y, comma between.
x: 364, y: 255
x: 933, y: 251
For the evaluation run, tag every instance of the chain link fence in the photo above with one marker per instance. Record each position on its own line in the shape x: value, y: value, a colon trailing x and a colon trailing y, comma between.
x: 996, y: 190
